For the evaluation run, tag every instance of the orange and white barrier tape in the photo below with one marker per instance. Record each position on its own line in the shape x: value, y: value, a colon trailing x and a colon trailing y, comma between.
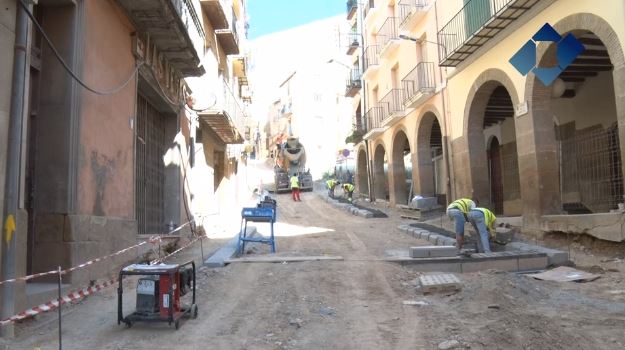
x: 152, y: 240
x: 156, y: 261
x: 53, y: 304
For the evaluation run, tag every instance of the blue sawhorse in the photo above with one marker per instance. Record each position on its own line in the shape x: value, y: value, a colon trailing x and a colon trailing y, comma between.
x: 261, y: 214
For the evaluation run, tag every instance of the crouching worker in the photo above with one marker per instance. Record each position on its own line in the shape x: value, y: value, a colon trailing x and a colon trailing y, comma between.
x: 484, y: 222
x: 458, y: 211
x: 331, y: 184
x: 349, y: 190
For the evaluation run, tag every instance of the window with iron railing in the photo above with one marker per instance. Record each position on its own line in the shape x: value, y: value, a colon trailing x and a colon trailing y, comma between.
x: 392, y: 102
x: 419, y: 80
x: 388, y: 32
x: 374, y: 117
x: 186, y: 10
x: 408, y: 7
x: 372, y: 54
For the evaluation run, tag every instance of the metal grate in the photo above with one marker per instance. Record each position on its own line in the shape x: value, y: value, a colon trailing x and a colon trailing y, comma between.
x: 392, y: 103
x: 420, y: 80
x: 591, y: 177
x: 150, y: 170
x: 372, y: 53
x: 388, y: 32
x: 374, y: 117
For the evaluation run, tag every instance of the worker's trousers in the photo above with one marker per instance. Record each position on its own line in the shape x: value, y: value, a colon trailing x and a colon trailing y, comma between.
x: 477, y: 218
x: 458, y: 217
x: 295, y: 193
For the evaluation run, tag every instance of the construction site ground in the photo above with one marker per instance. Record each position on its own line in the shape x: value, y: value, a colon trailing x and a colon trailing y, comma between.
x: 357, y: 303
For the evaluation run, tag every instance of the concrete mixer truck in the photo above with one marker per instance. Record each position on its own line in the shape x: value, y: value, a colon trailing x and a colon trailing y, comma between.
x: 291, y: 158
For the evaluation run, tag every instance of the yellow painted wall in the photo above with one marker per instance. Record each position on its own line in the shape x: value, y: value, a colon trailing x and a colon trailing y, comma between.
x: 461, y: 80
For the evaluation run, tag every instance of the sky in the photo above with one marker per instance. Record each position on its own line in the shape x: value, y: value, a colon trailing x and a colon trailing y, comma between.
x: 269, y: 16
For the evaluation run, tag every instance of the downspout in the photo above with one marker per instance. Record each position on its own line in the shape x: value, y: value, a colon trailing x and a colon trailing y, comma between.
x: 446, y: 147
x: 364, y: 103
x: 12, y: 184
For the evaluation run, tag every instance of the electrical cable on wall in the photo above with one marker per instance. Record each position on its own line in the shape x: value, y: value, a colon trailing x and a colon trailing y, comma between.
x: 67, y: 68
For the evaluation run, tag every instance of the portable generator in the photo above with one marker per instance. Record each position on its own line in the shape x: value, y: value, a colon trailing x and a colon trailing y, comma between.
x: 159, y: 292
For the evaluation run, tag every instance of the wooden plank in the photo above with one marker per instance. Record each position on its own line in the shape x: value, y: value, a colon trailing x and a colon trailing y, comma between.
x: 281, y: 259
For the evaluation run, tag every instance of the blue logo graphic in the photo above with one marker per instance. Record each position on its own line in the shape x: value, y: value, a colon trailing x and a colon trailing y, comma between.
x: 567, y: 50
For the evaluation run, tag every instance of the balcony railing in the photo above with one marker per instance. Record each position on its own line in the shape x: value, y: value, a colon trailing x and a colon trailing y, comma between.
x: 229, y: 37
x: 388, y: 32
x: 353, y: 42
x: 374, y: 117
x: 372, y: 56
x: 352, y: 8
x: 392, y: 103
x: 476, y: 23
x: 174, y: 28
x: 226, y: 117
x: 418, y: 83
x: 353, y: 83
x: 408, y: 8
x: 369, y: 4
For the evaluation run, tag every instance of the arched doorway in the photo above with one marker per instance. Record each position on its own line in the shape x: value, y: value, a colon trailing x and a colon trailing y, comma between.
x: 582, y: 105
x: 431, y: 173
x: 362, y: 184
x: 491, y: 133
x: 380, y: 169
x: 495, y: 175
x: 402, y: 168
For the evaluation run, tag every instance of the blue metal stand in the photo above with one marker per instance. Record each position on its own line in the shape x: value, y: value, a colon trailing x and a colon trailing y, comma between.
x: 261, y: 214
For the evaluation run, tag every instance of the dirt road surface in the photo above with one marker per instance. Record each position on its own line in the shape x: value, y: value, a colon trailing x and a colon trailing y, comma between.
x: 356, y: 303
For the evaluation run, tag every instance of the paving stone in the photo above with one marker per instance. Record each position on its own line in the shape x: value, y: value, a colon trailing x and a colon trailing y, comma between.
x: 556, y: 257
x: 533, y: 263
x: 439, y: 283
x: 418, y: 252
x: 433, y: 238
x: 511, y: 264
x: 433, y: 251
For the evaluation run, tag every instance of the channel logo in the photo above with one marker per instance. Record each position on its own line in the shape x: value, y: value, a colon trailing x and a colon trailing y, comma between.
x: 567, y: 50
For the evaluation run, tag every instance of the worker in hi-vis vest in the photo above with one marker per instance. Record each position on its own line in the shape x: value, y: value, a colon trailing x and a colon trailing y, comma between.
x: 349, y: 190
x: 331, y: 186
x: 295, y: 187
x: 458, y: 211
x: 484, y: 221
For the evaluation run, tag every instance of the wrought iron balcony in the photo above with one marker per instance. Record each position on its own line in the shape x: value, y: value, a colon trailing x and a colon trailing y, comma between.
x: 216, y: 11
x: 372, y: 60
x: 393, y: 104
x: 475, y: 24
x: 388, y: 36
x: 353, y: 42
x: 226, y: 117
x: 229, y: 37
x: 373, y: 120
x: 174, y: 28
x: 354, y: 83
x: 352, y: 8
x: 418, y: 85
x: 411, y: 12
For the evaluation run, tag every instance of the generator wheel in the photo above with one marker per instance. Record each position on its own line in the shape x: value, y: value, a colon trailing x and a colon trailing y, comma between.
x: 177, y: 324
x: 194, y: 311
x: 128, y: 323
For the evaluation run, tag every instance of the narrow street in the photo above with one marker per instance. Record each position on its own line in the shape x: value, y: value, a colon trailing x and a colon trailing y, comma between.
x: 352, y: 304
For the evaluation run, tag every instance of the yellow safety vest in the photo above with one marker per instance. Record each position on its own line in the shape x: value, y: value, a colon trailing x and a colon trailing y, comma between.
x: 294, y: 182
x: 462, y: 204
x: 489, y: 219
x: 349, y: 187
x: 331, y: 183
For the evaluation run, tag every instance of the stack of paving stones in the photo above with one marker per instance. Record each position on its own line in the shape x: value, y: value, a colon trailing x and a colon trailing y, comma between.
x: 446, y: 282
x: 349, y: 207
x: 555, y: 257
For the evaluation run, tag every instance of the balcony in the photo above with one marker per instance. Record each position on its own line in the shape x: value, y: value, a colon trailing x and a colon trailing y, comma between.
x: 229, y: 38
x: 418, y: 85
x: 411, y: 12
x: 353, y: 42
x: 216, y: 11
x: 173, y: 27
x: 475, y: 24
x: 354, y: 83
x: 373, y: 121
x: 388, y: 37
x: 226, y: 117
x: 239, y: 70
x: 393, y: 104
x: 372, y: 61
x: 352, y: 9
